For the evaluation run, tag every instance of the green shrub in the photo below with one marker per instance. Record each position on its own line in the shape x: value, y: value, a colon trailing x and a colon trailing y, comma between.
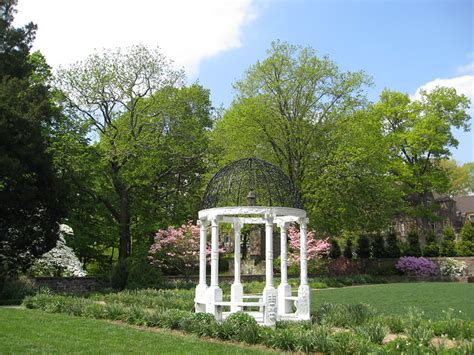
x: 413, y: 244
x: 465, y: 247
x: 140, y: 273
x: 201, y: 324
x: 448, y: 245
x: 394, y: 323
x: 321, y: 338
x: 154, y: 318
x: 431, y: 247
x: 241, y: 326
x: 363, y: 247
x: 421, y: 334
x: 115, y: 311
x: 172, y: 318
x: 373, y: 331
x: 14, y: 290
x: 335, y: 251
x: 94, y: 310
x: 453, y: 328
x: 378, y: 247
x: 392, y: 250
x: 348, y: 249
x: 343, y: 315
x: 136, y: 315
x: 119, y: 276
x: 407, y: 346
x: 283, y: 339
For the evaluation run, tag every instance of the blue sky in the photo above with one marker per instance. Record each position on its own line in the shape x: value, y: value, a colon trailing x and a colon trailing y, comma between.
x: 401, y: 44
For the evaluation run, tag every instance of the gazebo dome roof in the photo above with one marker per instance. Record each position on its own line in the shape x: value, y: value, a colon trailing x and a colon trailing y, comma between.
x: 251, y: 182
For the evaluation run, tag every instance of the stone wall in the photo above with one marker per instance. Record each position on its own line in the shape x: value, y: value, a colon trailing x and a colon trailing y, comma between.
x: 72, y: 285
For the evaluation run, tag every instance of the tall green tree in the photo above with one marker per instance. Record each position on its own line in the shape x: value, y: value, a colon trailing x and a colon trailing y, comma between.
x: 297, y: 93
x: 31, y: 203
x: 420, y: 135
x: 149, y: 135
x: 461, y: 177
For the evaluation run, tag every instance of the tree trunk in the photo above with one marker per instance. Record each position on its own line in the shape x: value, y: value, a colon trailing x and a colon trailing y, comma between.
x: 124, y: 225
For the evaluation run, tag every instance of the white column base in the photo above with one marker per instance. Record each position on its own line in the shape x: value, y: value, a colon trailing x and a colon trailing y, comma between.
x: 236, y: 295
x: 303, y: 304
x: 200, y: 298
x: 284, y: 305
x: 270, y: 298
x: 214, y: 294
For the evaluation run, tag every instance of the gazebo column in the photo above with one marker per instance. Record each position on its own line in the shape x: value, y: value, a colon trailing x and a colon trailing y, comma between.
x: 236, y: 290
x: 214, y: 293
x: 284, y: 289
x: 202, y: 286
x: 269, y: 292
x: 303, y: 304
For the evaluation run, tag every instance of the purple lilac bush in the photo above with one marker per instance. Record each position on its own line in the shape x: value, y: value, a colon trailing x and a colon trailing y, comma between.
x: 412, y: 265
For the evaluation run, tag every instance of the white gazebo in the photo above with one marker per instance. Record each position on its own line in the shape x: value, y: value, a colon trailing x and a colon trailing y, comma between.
x: 272, y: 200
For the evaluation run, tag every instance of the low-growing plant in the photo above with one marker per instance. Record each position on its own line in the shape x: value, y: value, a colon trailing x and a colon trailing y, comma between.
x: 453, y: 328
x: 394, y: 323
x: 115, y: 311
x: 453, y: 268
x: 94, y: 310
x: 343, y: 315
x: 414, y: 266
x: 201, y: 324
x: 373, y: 331
x: 321, y: 338
x: 283, y: 339
x: 172, y: 318
x: 408, y: 346
x: 421, y: 334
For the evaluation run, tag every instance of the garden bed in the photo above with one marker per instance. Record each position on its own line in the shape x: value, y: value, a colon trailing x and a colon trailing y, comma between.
x: 338, y: 328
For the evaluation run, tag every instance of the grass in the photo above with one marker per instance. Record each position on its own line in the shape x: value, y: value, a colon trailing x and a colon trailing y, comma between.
x: 430, y: 297
x: 29, y: 331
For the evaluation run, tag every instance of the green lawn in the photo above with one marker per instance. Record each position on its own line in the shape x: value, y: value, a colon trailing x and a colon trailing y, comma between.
x: 29, y: 331
x: 431, y: 297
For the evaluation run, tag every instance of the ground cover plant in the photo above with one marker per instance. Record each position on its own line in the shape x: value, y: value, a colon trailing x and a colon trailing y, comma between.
x: 334, y: 327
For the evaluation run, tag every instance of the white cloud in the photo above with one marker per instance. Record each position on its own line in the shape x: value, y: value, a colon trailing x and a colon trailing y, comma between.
x: 463, y: 85
x: 187, y: 31
x: 466, y: 69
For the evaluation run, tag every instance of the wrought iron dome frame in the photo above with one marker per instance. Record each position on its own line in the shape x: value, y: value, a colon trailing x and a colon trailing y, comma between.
x: 233, y: 184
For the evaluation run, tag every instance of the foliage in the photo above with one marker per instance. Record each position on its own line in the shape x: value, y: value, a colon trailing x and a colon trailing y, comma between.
x: 335, y: 251
x: 432, y: 246
x: 420, y: 135
x: 374, y: 331
x: 393, y: 250
x: 177, y: 249
x: 460, y: 178
x: 348, y: 249
x: 343, y: 315
x: 465, y: 247
x: 136, y: 104
x: 413, y: 244
x: 422, y: 267
x: 363, y: 247
x: 119, y: 276
x: 31, y: 194
x: 14, y: 290
x: 448, y: 245
x: 378, y: 246
x: 316, y: 248
x: 452, y: 268
x: 141, y: 274
x: 59, y: 261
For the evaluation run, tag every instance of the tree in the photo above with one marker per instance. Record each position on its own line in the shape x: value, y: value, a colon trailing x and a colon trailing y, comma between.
x: 150, y: 131
x: 448, y: 246
x: 316, y: 248
x: 465, y: 247
x: 432, y: 246
x: 31, y: 203
x: 461, y: 177
x: 363, y: 247
x: 420, y: 136
x: 378, y: 247
x: 177, y: 249
x: 393, y: 250
x: 348, y: 249
x: 335, y: 249
x: 297, y: 93
x: 59, y: 261
x: 413, y: 244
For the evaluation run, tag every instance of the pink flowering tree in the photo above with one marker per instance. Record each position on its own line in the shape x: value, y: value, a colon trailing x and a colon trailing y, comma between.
x: 177, y: 249
x: 316, y: 248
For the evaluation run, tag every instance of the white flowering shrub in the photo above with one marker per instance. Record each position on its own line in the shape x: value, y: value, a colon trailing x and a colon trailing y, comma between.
x: 452, y: 267
x: 59, y: 261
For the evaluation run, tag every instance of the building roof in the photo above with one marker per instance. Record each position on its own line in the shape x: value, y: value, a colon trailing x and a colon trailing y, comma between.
x: 465, y: 204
